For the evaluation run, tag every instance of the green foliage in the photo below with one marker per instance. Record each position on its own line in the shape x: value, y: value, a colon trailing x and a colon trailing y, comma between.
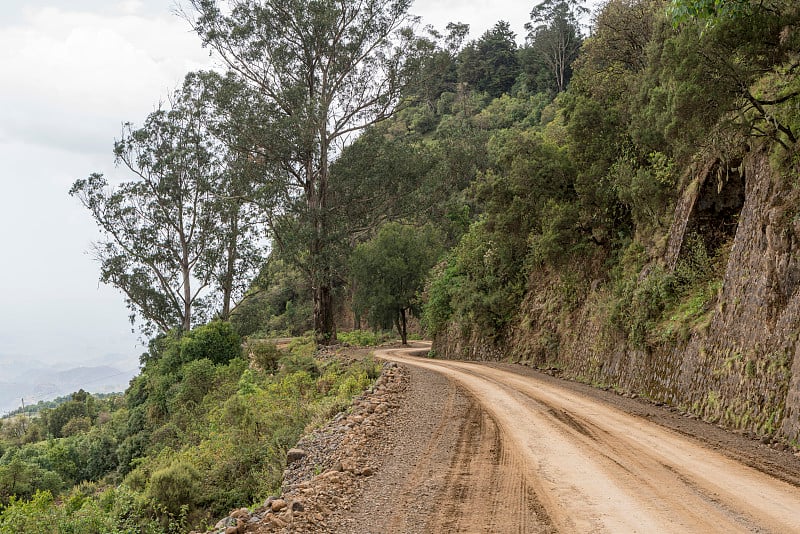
x: 527, y: 196
x: 170, y: 244
x: 487, y: 287
x: 559, y: 238
x: 303, y: 346
x: 441, y: 288
x: 640, y: 303
x: 554, y: 39
x: 215, y: 341
x: 198, y: 379
x: 374, y: 58
x: 490, y: 64
x: 644, y: 189
x: 363, y: 338
x: 279, y: 303
x: 263, y: 353
x: 295, y: 362
x: 201, y: 439
x: 389, y: 272
x: 709, y: 11
x: 175, y: 487
x: 60, y: 416
x: 651, y: 305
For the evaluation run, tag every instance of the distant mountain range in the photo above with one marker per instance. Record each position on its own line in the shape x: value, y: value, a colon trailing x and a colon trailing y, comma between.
x: 36, y: 383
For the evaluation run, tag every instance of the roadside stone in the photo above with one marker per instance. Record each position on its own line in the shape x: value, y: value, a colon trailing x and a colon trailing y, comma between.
x: 294, y: 455
x: 349, y: 465
x: 278, y: 522
x: 277, y: 505
x: 241, y: 512
x: 225, y: 523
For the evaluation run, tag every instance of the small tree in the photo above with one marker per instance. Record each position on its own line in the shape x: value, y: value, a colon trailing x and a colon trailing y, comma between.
x: 389, y: 272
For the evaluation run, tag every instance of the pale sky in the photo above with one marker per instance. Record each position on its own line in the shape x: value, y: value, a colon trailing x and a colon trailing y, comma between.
x: 71, y: 72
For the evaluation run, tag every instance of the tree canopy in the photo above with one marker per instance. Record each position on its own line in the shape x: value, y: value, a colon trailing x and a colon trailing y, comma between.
x: 172, y: 242
x: 389, y: 272
x: 325, y: 70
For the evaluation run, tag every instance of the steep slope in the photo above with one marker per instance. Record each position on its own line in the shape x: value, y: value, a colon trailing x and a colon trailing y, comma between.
x: 737, y: 362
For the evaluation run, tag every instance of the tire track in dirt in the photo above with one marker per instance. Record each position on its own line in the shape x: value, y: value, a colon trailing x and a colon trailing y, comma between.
x: 485, y: 489
x: 422, y: 471
x: 646, y: 473
x: 599, y: 470
x: 447, y: 469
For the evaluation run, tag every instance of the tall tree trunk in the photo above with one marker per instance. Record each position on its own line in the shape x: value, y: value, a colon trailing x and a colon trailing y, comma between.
x: 324, y: 324
x: 397, y: 323
x: 403, y: 333
x: 322, y: 279
x: 187, y: 299
x: 230, y: 266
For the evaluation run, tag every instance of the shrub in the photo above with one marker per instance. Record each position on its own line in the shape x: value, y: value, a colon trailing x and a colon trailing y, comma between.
x: 264, y: 354
x: 36, y: 516
x: 363, y: 338
x: 76, y: 425
x: 198, y: 379
x: 175, y: 487
x: 442, y: 284
x: 294, y: 363
x: 216, y: 341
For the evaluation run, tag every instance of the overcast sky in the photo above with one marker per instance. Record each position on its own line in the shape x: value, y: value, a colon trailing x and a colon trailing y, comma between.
x: 71, y: 72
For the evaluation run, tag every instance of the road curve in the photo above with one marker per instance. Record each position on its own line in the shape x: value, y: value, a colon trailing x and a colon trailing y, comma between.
x: 593, y: 468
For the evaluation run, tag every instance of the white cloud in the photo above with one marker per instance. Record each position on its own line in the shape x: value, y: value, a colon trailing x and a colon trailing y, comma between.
x: 76, y: 76
x: 131, y: 7
x: 70, y: 77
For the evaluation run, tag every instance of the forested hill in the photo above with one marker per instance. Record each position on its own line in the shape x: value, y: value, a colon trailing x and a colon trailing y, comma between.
x: 639, y: 230
x: 618, y: 207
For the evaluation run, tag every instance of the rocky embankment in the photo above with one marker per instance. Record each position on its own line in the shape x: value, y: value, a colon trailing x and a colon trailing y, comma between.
x: 326, y: 468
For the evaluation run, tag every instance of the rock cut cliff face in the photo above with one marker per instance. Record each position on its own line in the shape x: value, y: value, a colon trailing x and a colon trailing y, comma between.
x: 741, y: 368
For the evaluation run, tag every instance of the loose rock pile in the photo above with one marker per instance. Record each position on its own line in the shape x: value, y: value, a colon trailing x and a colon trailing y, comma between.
x: 326, y: 467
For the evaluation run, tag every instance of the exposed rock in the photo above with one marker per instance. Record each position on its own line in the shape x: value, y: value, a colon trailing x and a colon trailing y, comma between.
x: 241, y: 512
x: 225, y: 523
x: 278, y: 505
x: 294, y: 455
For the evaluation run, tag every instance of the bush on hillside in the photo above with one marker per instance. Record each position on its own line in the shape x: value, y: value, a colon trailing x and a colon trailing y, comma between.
x: 216, y: 341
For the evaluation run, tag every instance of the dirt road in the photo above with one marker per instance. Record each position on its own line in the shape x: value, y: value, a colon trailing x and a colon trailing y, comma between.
x: 511, y: 452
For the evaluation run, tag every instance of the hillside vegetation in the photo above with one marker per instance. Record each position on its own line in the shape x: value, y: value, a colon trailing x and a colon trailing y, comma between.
x: 618, y: 207
x: 198, y: 432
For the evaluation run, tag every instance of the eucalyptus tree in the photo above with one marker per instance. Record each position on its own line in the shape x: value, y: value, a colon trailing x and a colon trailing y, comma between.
x: 554, y: 38
x: 229, y: 104
x: 324, y: 70
x: 172, y: 242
